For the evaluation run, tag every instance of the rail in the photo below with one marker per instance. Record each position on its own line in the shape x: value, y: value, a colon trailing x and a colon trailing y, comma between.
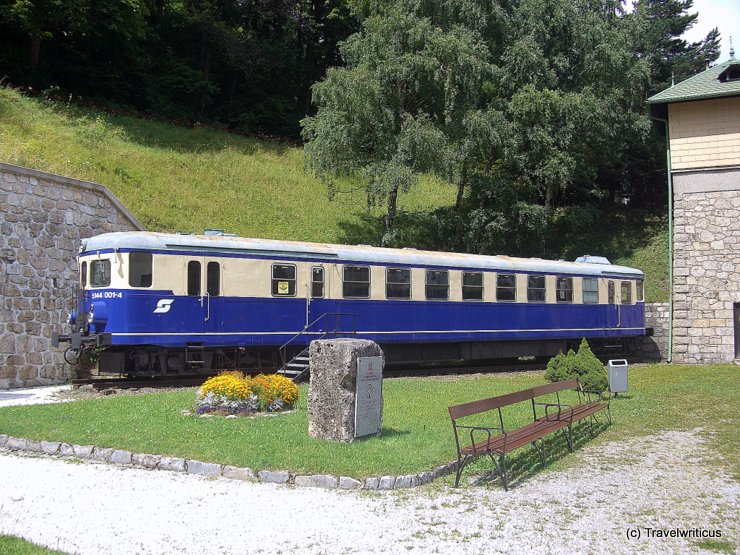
x: 337, y: 318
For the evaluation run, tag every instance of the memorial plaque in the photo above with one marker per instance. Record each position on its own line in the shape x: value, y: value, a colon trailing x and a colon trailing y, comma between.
x: 368, y: 396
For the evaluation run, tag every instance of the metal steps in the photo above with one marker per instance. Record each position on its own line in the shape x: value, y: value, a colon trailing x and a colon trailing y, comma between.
x: 194, y: 356
x: 297, y: 367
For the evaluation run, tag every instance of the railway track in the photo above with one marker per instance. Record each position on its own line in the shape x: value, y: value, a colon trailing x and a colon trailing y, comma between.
x: 394, y: 371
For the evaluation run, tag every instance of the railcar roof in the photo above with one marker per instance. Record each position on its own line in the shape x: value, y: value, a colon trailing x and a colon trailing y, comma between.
x: 346, y: 253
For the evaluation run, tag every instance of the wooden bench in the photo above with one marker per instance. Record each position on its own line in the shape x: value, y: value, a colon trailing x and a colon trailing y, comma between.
x: 497, y: 441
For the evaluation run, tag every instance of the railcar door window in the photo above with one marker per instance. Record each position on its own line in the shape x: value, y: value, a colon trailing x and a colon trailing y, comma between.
x: 590, y: 290
x: 194, y: 278
x: 611, y: 292
x: 283, y: 280
x: 626, y: 292
x: 83, y: 274
x: 356, y: 282
x: 437, y: 285
x: 505, y: 287
x: 140, y: 269
x: 100, y: 273
x: 564, y: 290
x: 640, y: 290
x: 398, y: 283
x: 536, y: 289
x: 317, y: 282
x: 472, y: 286
x: 213, y: 279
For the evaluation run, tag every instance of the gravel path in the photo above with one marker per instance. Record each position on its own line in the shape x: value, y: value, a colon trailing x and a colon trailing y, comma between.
x: 33, y: 396
x: 659, y: 482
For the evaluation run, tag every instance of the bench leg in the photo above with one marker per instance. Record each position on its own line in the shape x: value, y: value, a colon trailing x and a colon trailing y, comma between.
x: 460, y: 465
x: 540, y: 450
x: 569, y: 437
x: 502, y: 472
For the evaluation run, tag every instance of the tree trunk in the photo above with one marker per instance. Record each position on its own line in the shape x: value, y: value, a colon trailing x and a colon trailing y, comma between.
x: 205, y: 68
x: 461, y: 187
x: 34, y: 50
x: 390, y: 216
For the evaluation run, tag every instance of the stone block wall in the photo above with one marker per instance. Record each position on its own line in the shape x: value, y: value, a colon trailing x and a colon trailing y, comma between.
x: 43, y: 217
x: 656, y: 346
x: 706, y: 274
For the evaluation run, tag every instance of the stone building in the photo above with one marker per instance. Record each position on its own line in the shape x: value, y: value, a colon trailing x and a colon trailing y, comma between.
x: 43, y: 217
x: 702, y: 115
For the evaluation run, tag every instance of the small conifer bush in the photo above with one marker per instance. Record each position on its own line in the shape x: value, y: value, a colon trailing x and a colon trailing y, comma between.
x: 582, y: 365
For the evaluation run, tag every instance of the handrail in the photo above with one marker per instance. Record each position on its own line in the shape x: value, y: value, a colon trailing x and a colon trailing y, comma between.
x: 337, y: 322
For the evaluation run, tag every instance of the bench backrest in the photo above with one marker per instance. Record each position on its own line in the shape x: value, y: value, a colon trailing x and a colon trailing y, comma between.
x: 476, y: 407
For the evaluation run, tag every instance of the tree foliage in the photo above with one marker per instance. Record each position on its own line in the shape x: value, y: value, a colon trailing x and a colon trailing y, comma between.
x: 249, y: 65
x: 529, y: 107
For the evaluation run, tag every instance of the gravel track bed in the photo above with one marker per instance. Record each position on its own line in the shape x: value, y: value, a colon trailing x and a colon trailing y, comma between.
x: 658, y: 482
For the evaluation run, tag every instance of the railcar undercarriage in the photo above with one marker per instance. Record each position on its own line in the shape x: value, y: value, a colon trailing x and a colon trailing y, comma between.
x: 151, y: 360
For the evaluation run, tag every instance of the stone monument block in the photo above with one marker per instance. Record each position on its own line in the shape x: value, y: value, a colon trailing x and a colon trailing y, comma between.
x: 337, y: 411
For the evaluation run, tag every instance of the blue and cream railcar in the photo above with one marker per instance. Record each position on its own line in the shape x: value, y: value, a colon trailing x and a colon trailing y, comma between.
x: 161, y: 303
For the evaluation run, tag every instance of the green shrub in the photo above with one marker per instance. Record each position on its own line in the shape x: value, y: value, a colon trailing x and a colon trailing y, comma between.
x: 582, y: 365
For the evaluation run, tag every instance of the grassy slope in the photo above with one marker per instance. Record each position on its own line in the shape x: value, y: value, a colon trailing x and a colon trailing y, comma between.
x: 18, y: 546
x: 178, y: 179
x: 652, y: 258
x: 416, y: 427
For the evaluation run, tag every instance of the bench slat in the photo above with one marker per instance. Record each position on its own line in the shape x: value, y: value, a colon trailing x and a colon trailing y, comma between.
x: 483, y: 405
x: 531, y: 432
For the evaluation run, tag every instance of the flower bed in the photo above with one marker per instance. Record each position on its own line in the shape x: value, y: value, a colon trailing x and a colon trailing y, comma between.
x: 234, y: 393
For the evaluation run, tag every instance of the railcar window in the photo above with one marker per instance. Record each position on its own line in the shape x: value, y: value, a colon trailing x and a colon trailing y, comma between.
x: 283, y: 280
x: 140, y: 269
x: 194, y: 278
x: 317, y: 282
x: 536, y: 289
x: 398, y: 283
x: 472, y: 286
x: 590, y: 290
x: 100, y: 273
x: 356, y: 282
x: 83, y: 274
x: 505, y: 287
x: 213, y: 279
x: 437, y: 285
x: 611, y: 292
x: 564, y: 290
x: 626, y: 292
x: 640, y: 290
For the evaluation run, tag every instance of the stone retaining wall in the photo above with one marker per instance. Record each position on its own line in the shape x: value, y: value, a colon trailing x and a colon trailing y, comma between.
x: 43, y: 217
x: 656, y: 346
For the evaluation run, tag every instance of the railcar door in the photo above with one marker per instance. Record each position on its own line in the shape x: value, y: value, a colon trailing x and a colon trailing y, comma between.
x: 314, y: 300
x: 194, y: 322
x: 204, y: 291
x: 612, y: 308
x: 213, y: 299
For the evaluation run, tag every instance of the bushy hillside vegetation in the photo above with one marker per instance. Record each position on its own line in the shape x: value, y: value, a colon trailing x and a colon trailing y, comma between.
x: 181, y: 179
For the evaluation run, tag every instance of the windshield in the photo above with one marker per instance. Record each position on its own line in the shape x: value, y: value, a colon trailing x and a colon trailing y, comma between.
x: 100, y: 273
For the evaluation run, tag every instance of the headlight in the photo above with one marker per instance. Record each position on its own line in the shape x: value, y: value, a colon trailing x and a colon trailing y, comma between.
x: 90, y: 317
x: 72, y: 317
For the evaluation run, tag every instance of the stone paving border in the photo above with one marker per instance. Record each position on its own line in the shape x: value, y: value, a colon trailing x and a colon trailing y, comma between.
x: 199, y: 468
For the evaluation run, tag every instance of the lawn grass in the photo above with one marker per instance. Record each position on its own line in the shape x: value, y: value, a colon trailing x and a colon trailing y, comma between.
x: 416, y: 429
x: 182, y: 179
x: 18, y: 546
